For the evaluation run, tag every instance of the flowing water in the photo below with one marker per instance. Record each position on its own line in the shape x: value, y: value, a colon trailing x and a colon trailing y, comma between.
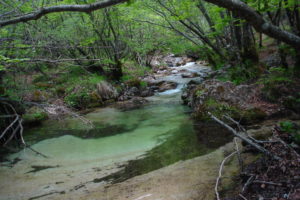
x: 122, y: 144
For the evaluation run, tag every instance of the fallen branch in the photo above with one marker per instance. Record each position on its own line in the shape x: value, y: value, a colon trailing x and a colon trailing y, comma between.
x: 249, y: 181
x: 221, y: 169
x: 14, y: 127
x: 288, y: 146
x: 242, y: 197
x: 244, y: 138
x: 267, y: 183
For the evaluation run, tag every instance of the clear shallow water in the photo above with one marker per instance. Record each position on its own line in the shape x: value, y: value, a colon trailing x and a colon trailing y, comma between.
x: 122, y: 144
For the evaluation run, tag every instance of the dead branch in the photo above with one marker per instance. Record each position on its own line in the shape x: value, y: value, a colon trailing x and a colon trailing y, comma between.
x: 221, y: 169
x: 239, y: 154
x: 287, y: 146
x: 244, y: 138
x: 267, y: 183
x: 242, y: 197
x: 241, y: 128
x: 249, y: 181
x: 9, y: 126
x: 15, y: 126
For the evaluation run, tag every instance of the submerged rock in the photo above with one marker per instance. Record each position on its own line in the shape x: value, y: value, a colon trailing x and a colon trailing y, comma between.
x: 166, y: 85
x: 34, y: 116
x: 190, y: 75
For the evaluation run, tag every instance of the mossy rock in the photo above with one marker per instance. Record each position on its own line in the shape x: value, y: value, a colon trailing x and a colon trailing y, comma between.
x: 251, y: 116
x: 134, y: 82
x: 84, y: 98
x: 39, y: 96
x: 219, y: 109
x: 34, y: 116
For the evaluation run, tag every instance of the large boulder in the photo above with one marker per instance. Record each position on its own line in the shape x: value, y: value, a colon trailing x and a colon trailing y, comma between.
x: 107, y: 91
x: 241, y: 102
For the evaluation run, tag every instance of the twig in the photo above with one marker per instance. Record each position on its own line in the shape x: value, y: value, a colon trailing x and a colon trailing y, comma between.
x: 10, y: 126
x: 249, y: 181
x: 238, y: 154
x: 220, y: 173
x: 268, y: 183
x: 262, y: 141
x: 236, y: 123
x: 287, y: 146
x: 243, y: 197
x: 12, y: 135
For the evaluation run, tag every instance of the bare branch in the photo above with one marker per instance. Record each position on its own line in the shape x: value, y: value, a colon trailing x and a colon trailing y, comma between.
x: 221, y: 169
x: 244, y: 138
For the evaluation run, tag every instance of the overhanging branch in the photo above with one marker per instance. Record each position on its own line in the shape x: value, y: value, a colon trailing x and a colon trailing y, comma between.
x: 61, y: 8
x: 258, y: 22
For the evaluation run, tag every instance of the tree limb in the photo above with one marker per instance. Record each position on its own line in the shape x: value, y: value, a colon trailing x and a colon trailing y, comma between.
x: 258, y: 22
x: 61, y: 8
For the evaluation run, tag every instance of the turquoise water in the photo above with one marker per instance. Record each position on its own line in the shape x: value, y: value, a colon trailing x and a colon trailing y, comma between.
x: 120, y: 145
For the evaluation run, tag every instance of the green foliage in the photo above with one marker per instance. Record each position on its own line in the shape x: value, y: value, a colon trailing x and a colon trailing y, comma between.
x: 277, y: 79
x: 34, y: 116
x: 292, y: 129
x: 79, y: 99
x: 241, y: 73
x: 287, y: 126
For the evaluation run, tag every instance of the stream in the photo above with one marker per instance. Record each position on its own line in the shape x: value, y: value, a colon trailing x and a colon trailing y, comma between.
x: 121, y: 145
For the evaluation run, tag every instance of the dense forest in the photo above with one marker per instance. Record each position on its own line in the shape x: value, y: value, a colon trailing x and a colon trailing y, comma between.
x: 234, y: 63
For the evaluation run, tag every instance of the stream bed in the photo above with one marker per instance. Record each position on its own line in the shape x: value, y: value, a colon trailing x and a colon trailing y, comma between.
x: 121, y: 145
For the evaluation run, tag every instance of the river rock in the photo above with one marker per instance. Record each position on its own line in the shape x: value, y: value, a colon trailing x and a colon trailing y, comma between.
x: 166, y: 85
x: 190, y: 75
x: 184, y: 61
x: 106, y: 91
x: 133, y: 103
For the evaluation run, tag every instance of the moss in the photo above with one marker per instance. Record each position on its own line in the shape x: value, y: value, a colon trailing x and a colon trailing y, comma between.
x: 251, y: 116
x: 216, y: 108
x: 133, y: 82
x: 219, y: 109
x: 39, y: 96
x: 34, y: 116
x: 83, y: 98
